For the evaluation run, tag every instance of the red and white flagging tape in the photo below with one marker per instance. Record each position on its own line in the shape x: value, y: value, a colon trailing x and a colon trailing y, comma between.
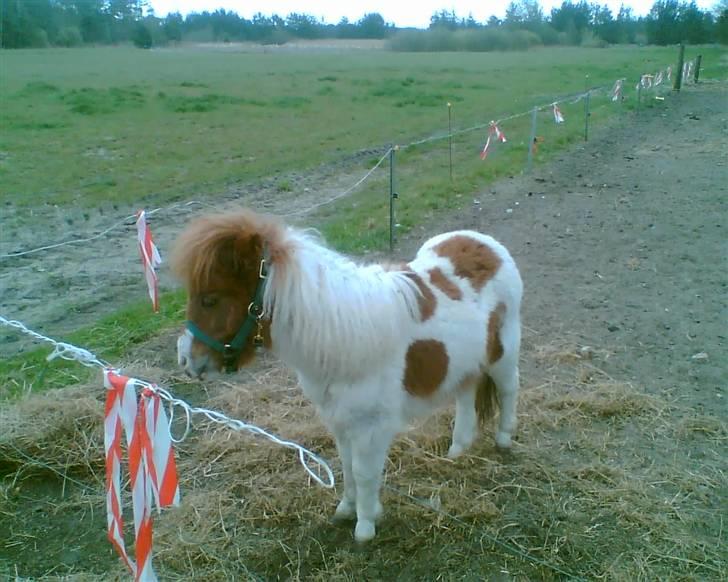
x: 150, y: 257
x: 493, y: 132
x: 152, y: 468
x: 558, y: 116
x: 617, y: 90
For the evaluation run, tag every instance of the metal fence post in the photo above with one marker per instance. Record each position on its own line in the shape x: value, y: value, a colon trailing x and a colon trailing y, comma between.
x: 587, y: 114
x: 678, y: 73
x: 532, y: 139
x: 449, y: 134
x: 392, y: 196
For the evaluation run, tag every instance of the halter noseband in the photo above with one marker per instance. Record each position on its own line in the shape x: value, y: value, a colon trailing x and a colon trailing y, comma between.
x: 231, y: 351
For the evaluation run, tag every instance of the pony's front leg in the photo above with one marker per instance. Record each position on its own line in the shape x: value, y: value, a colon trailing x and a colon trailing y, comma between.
x: 347, y: 506
x: 369, y: 453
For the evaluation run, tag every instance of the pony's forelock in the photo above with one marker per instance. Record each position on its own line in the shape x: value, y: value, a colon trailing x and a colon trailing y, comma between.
x: 199, y: 254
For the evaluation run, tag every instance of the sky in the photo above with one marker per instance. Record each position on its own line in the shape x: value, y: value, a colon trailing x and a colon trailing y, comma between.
x: 402, y: 13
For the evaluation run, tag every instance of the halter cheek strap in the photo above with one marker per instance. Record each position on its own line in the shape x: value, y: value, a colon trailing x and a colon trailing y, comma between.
x: 231, y: 351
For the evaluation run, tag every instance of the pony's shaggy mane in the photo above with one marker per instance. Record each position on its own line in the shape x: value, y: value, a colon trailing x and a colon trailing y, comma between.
x: 333, y: 314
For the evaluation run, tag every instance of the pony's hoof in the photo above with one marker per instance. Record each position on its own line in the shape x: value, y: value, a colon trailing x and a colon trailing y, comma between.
x: 503, y: 440
x: 455, y: 451
x: 345, y: 510
x: 364, y: 531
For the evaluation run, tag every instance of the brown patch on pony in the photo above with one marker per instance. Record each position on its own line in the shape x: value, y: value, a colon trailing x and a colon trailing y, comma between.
x: 439, y: 280
x: 426, y: 365
x: 218, y: 258
x: 486, y: 399
x: 494, y: 347
x: 471, y: 259
x: 426, y: 298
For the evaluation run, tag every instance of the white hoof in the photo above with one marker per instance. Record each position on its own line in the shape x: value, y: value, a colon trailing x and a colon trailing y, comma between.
x: 364, y: 531
x: 345, y: 510
x: 455, y: 451
x: 503, y: 440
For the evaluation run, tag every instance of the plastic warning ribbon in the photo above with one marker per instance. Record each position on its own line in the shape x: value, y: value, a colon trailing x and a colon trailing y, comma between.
x: 617, y: 90
x: 658, y: 78
x: 493, y: 132
x: 150, y: 257
x: 646, y: 81
x: 558, y: 116
x: 669, y: 73
x: 152, y: 468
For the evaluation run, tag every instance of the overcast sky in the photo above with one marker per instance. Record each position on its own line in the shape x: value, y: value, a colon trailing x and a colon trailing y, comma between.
x: 402, y: 13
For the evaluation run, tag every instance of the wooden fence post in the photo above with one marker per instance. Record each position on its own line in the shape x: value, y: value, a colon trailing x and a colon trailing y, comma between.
x: 677, y: 83
x: 697, y: 67
x: 532, y: 139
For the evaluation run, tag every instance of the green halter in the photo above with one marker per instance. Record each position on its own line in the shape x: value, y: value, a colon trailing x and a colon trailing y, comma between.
x: 231, y: 351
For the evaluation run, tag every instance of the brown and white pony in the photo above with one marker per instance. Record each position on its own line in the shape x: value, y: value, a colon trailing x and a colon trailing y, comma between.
x: 373, y: 346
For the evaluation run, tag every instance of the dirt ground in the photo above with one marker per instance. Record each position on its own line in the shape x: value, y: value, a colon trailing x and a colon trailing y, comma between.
x: 623, y: 250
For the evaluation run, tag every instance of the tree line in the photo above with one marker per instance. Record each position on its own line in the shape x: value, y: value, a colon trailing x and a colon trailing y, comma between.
x: 68, y: 23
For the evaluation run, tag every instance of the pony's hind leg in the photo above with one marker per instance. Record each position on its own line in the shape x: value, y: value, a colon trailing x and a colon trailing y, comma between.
x: 505, y: 376
x: 466, y: 420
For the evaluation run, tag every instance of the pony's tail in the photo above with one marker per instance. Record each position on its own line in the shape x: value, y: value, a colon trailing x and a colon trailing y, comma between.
x: 486, y: 399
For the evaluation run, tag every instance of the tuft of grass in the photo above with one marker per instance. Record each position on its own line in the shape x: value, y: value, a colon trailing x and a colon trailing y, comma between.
x: 39, y: 88
x: 90, y: 101
x: 284, y: 186
x: 291, y: 101
x: 204, y: 103
x: 326, y: 90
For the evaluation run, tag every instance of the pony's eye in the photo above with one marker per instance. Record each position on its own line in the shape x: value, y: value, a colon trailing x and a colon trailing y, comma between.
x: 208, y: 301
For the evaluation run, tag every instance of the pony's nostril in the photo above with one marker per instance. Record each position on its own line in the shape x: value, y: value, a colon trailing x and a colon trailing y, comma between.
x: 183, y: 361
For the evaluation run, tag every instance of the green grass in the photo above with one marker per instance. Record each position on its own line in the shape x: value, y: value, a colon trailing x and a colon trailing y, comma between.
x: 179, y: 122
x: 111, y: 338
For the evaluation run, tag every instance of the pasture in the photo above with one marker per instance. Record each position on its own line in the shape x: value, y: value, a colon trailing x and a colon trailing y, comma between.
x: 618, y: 470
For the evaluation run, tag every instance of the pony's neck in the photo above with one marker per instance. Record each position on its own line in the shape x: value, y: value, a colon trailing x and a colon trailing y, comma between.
x: 333, y: 319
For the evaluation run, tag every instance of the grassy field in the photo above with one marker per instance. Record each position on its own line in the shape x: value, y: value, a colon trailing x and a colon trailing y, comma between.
x: 123, y: 125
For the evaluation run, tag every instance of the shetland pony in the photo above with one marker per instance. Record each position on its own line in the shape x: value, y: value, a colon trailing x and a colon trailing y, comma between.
x: 373, y: 346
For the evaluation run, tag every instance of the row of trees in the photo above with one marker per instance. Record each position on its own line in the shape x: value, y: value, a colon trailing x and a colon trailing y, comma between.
x: 575, y: 23
x: 38, y: 23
